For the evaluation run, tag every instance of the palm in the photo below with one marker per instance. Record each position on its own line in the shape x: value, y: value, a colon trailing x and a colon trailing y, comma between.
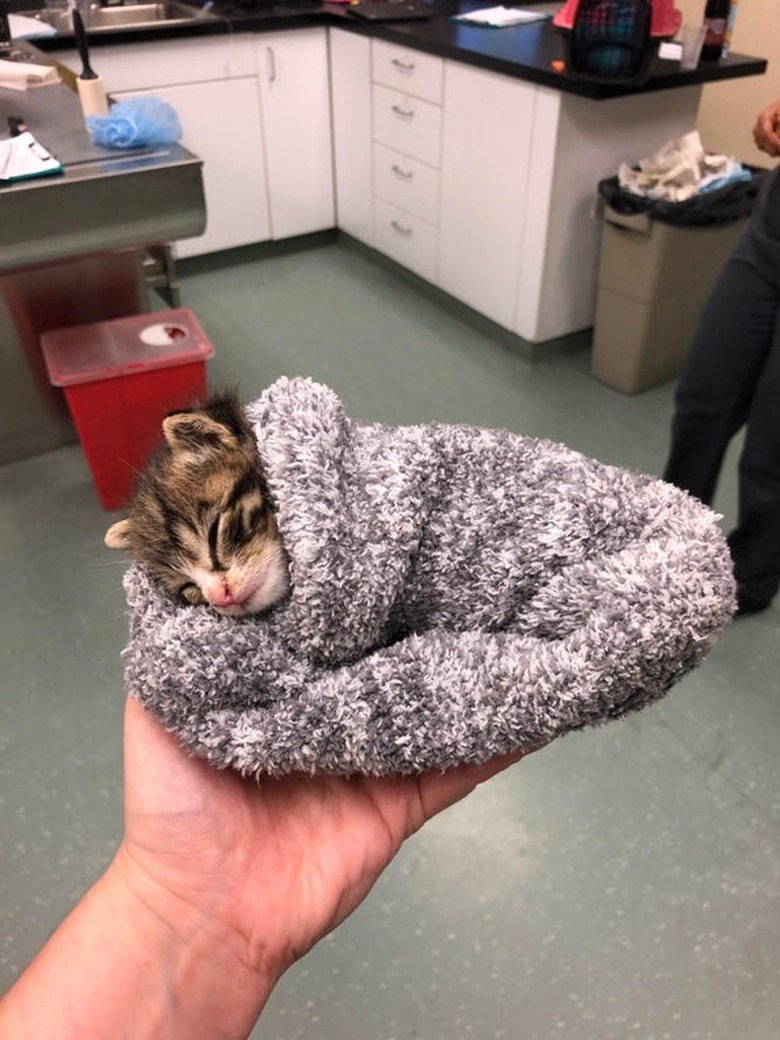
x: 279, y: 862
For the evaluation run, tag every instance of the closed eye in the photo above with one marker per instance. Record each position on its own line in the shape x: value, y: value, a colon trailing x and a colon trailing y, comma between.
x: 258, y: 519
x: 187, y: 587
x: 213, y: 539
x: 243, y: 525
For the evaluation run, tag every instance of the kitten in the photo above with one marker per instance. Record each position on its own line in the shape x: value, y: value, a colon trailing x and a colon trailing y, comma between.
x: 201, y: 519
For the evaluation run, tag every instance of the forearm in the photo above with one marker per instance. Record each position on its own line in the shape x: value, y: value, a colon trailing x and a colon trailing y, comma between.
x: 122, y: 967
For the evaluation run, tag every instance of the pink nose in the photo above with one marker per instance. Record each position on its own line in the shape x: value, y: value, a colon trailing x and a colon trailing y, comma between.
x: 218, y: 594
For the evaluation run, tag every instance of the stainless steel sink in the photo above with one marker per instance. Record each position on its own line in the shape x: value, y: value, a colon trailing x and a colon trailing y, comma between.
x: 126, y: 16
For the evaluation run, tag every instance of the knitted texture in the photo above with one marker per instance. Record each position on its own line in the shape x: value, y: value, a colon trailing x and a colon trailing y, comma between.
x: 457, y: 593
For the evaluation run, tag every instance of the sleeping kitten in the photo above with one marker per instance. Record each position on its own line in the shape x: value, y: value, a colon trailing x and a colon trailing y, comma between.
x: 200, y: 518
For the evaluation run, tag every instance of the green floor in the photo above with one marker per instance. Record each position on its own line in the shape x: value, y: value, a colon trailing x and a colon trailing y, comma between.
x: 624, y: 882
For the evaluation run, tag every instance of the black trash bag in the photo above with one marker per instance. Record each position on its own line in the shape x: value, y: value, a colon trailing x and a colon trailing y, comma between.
x: 721, y: 206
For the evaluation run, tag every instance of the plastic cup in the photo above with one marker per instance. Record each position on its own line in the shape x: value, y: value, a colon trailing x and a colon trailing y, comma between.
x: 692, y: 40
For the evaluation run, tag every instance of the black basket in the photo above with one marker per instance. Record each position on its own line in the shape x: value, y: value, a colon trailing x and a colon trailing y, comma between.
x: 610, y: 42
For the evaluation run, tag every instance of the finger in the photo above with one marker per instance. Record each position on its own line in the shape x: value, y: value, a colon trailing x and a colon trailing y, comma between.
x: 440, y: 790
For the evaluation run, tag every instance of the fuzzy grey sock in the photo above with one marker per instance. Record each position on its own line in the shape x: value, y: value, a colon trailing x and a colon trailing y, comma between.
x: 457, y: 593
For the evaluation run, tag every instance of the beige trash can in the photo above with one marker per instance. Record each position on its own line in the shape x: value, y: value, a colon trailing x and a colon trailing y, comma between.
x: 653, y: 280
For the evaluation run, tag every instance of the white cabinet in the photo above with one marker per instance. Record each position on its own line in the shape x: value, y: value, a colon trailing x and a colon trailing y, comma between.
x: 408, y: 71
x: 482, y: 183
x: 386, y: 104
x: 406, y: 239
x: 256, y: 110
x: 407, y: 124
x: 212, y: 84
x: 233, y: 160
x: 488, y: 123
x: 350, y: 84
x: 157, y: 63
x: 519, y: 230
x: 407, y: 184
x: 295, y: 99
x: 577, y: 142
x: 407, y: 128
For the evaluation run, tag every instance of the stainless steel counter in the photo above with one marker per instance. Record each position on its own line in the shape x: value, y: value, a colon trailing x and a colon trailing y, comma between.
x: 71, y: 249
x: 104, y: 200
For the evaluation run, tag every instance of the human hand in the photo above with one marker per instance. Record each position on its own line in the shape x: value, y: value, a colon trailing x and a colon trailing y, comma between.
x: 219, y: 884
x: 766, y: 132
x: 268, y: 867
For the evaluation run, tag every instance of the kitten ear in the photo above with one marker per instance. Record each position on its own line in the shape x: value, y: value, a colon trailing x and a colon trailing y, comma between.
x: 118, y: 535
x: 196, y: 433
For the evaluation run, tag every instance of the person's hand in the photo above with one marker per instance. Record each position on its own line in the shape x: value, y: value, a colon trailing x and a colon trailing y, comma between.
x: 766, y: 132
x: 219, y: 884
x: 269, y: 866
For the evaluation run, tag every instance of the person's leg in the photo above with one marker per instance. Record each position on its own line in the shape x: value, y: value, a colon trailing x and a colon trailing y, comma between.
x: 723, y: 365
x: 728, y: 353
x: 755, y: 543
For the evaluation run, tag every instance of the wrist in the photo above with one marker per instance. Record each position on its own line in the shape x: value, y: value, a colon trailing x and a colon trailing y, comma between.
x: 197, y: 970
x: 134, y: 960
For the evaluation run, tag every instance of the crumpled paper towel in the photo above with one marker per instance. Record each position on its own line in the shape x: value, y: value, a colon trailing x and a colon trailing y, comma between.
x: 136, y: 122
x: 679, y: 170
x: 25, y: 75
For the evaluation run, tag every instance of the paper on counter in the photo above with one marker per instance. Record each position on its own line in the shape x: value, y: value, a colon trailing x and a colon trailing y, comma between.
x: 500, y: 17
x: 22, y: 75
x: 23, y: 156
x: 23, y: 27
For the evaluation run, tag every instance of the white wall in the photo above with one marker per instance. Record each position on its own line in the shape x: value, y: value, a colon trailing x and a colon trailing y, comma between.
x: 728, y: 109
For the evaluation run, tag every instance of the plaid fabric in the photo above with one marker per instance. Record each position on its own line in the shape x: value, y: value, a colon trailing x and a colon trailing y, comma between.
x: 610, y: 36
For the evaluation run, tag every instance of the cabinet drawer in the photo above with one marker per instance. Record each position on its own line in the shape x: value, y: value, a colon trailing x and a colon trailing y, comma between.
x: 407, y: 125
x: 409, y: 71
x: 406, y: 239
x: 407, y: 184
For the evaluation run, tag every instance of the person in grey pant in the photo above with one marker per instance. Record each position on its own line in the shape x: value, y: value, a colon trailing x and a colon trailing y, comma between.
x: 731, y: 379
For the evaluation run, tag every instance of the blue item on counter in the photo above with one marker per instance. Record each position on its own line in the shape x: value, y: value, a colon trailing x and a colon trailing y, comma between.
x: 136, y: 122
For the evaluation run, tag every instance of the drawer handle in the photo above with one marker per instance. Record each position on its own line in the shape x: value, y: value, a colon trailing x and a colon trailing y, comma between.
x: 403, y: 66
x: 405, y: 231
x: 403, y: 113
x: 405, y: 175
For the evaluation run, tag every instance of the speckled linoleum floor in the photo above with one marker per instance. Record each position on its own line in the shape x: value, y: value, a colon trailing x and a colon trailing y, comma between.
x: 623, y: 883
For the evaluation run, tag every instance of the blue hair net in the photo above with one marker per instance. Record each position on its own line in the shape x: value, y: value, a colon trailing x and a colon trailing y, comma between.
x: 136, y: 122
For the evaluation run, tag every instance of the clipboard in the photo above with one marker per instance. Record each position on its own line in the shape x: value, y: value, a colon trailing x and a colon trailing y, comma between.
x: 23, y: 157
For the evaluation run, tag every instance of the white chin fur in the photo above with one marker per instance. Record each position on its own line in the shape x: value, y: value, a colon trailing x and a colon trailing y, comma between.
x: 268, y: 591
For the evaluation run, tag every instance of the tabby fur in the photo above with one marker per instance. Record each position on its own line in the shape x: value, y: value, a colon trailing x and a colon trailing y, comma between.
x: 201, y: 519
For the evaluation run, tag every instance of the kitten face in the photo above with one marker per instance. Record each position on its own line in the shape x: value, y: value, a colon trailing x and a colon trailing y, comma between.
x: 201, y: 520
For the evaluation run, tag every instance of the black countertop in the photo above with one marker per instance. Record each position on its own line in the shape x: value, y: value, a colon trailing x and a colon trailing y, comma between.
x: 524, y: 51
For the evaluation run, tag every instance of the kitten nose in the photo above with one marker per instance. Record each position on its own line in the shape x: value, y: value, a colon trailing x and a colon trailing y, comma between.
x: 219, y: 594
